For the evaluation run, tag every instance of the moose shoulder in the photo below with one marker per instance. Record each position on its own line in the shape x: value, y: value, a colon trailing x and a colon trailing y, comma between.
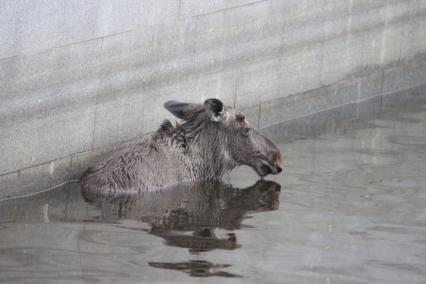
x: 212, y: 140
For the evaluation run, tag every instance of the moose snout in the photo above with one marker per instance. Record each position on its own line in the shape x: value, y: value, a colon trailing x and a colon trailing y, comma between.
x: 276, y: 169
x: 275, y: 161
x: 269, y: 167
x: 267, y: 158
x: 278, y: 161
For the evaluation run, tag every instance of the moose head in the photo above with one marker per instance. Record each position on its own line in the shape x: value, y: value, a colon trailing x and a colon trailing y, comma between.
x: 224, y: 138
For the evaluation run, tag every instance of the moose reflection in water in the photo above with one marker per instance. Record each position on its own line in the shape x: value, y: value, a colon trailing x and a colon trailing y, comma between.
x: 193, y: 216
x: 198, y: 207
x: 187, y: 216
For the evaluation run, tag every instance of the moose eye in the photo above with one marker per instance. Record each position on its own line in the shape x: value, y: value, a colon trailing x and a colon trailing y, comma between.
x: 246, y: 131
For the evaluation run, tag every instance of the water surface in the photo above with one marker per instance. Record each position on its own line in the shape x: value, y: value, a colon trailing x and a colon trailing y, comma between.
x: 350, y: 208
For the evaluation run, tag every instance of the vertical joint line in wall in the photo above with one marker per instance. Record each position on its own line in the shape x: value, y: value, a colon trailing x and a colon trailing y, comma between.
x: 358, y: 86
x: 359, y: 97
x: 383, y: 39
x: 97, y: 94
x: 235, y: 97
x: 236, y: 87
x: 400, y: 44
x: 179, y: 5
x: 349, y: 23
x: 383, y: 82
x: 321, y: 65
x: 258, y: 117
x: 102, y: 46
x: 71, y: 161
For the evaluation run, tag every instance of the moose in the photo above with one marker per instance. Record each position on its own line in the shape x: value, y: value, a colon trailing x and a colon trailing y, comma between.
x: 211, y: 140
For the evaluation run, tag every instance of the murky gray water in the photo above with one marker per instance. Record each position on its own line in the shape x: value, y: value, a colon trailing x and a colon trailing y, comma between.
x: 351, y: 208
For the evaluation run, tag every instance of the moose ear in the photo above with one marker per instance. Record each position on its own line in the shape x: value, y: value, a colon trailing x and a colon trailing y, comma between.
x: 215, y: 108
x: 179, y: 109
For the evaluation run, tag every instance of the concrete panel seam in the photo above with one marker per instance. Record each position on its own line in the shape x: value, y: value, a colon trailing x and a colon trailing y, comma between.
x: 63, y: 45
x: 401, y: 90
x: 258, y: 117
x: 179, y: 8
x: 220, y: 10
x: 96, y: 97
x: 38, y: 192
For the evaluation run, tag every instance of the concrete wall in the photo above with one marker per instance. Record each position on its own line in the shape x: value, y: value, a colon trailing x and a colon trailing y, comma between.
x: 77, y: 78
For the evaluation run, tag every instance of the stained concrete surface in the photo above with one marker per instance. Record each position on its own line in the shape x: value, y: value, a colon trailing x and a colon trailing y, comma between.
x: 349, y: 209
x: 79, y: 78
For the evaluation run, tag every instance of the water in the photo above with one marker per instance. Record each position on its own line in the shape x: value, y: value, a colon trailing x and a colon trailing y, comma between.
x: 350, y: 208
